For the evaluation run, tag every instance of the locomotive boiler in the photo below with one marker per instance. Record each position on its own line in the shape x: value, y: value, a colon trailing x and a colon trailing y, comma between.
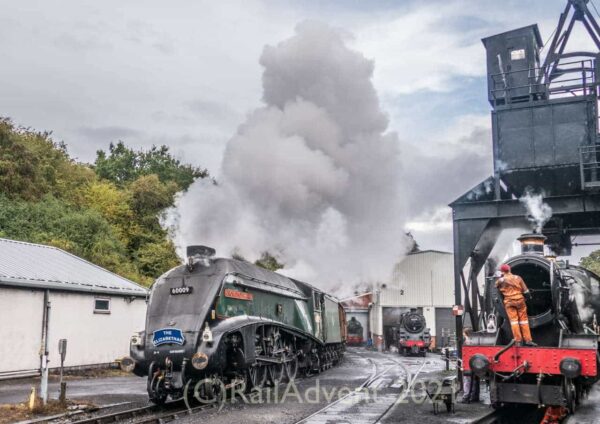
x: 414, y: 337
x: 563, y: 320
x: 229, y: 323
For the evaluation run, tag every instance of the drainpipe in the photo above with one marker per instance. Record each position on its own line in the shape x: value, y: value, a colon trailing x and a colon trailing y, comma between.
x: 44, y: 348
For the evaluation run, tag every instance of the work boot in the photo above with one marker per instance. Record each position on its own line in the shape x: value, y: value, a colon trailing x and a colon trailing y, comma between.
x: 530, y: 343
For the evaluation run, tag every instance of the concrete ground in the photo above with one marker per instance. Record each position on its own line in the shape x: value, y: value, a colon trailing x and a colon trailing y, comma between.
x: 100, y: 391
x: 386, y: 401
x: 589, y: 410
x: 394, y: 394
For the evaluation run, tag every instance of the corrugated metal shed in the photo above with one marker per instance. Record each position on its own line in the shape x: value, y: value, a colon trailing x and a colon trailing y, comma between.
x: 423, y: 278
x: 38, y: 266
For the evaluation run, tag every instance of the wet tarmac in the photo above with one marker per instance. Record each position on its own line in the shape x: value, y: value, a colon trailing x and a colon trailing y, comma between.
x: 100, y: 391
x: 367, y: 387
x: 589, y: 410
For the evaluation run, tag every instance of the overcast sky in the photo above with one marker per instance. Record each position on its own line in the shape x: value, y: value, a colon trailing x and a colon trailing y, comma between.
x: 185, y: 74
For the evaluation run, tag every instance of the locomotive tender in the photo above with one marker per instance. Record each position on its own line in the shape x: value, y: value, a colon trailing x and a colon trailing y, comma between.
x: 562, y: 317
x: 414, y: 337
x: 232, y: 323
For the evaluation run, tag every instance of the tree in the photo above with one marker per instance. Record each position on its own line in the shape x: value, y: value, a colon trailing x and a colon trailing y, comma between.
x: 123, y: 165
x: 592, y: 262
x: 108, y: 213
x: 269, y: 262
x: 32, y: 165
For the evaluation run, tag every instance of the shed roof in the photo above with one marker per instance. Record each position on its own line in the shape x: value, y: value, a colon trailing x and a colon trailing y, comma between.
x: 38, y: 266
x: 421, y: 252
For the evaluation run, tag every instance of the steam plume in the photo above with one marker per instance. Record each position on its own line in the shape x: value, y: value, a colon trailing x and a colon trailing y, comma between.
x: 538, y: 212
x: 313, y: 176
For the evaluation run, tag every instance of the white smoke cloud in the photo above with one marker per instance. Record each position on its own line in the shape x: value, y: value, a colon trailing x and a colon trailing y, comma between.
x: 538, y: 212
x: 312, y: 176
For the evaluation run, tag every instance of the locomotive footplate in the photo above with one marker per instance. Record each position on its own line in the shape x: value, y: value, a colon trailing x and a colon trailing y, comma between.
x: 526, y: 393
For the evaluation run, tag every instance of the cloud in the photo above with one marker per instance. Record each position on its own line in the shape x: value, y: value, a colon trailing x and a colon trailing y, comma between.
x: 108, y: 134
x: 210, y: 110
x: 441, y: 169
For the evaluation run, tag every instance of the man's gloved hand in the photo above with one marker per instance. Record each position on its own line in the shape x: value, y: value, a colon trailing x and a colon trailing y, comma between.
x: 528, y: 295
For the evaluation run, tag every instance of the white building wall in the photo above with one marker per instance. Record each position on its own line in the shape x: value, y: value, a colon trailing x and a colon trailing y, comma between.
x: 429, y: 314
x: 422, y: 279
x: 93, y: 338
x: 20, y: 328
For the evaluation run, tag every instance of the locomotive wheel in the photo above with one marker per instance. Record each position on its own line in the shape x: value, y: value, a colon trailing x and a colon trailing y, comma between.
x: 211, y: 391
x: 156, y: 390
x: 291, y: 369
x: 257, y: 377
x: 314, y: 364
x: 276, y: 373
x: 570, y: 394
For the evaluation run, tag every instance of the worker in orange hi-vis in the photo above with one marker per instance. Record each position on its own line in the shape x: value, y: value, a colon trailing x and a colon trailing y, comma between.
x: 514, y: 291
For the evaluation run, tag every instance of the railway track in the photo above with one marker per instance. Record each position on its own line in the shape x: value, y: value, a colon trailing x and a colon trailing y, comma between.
x: 361, y: 400
x: 146, y: 414
x: 170, y: 411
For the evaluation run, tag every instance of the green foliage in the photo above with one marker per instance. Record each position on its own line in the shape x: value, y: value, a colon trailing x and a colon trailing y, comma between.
x: 122, y: 165
x: 32, y: 165
x: 269, y: 262
x: 592, y: 262
x: 83, y: 232
x: 108, y: 214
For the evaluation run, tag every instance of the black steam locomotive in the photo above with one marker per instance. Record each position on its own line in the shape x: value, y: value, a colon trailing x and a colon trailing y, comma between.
x: 227, y: 323
x: 563, y: 320
x: 355, y: 333
x: 414, y: 337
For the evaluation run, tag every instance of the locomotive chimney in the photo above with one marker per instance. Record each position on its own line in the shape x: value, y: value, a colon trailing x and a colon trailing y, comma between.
x: 199, y: 254
x: 532, y: 244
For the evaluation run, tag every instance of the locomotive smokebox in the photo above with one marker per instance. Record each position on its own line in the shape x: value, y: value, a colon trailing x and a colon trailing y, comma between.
x: 532, y: 244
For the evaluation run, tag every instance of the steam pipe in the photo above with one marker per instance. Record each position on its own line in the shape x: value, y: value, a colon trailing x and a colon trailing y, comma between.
x: 508, y: 346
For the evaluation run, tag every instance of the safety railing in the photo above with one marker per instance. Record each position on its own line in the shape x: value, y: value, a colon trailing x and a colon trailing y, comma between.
x: 567, y: 78
x: 589, y: 162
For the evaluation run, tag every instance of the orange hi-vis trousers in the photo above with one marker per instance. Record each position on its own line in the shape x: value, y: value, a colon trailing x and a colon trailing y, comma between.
x: 516, y: 309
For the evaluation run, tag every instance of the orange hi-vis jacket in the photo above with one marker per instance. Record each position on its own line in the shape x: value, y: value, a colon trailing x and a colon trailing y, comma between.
x: 512, y: 287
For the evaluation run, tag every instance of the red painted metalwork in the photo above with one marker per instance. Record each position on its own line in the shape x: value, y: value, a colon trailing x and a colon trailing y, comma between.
x: 409, y: 343
x: 235, y: 294
x: 354, y: 340
x: 540, y: 359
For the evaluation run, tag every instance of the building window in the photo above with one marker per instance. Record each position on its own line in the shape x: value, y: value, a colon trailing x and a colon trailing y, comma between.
x: 518, y: 54
x: 101, y: 306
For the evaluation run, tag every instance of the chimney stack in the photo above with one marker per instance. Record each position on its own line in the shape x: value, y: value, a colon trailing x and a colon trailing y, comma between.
x: 532, y: 244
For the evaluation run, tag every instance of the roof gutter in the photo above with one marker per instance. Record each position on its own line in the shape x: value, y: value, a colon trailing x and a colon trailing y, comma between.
x: 59, y: 286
